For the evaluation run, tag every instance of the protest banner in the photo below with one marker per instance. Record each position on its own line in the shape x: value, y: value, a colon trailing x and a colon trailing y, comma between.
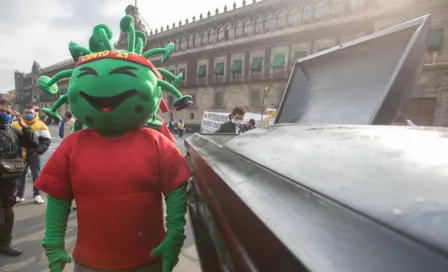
x: 211, y: 121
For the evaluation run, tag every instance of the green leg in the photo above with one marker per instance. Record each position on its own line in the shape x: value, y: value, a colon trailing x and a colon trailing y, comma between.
x: 154, y: 121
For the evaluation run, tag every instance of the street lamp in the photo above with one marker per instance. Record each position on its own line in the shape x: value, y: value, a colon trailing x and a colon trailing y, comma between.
x: 265, y: 94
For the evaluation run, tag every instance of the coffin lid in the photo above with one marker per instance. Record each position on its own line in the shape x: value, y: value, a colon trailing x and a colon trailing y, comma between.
x: 365, y: 81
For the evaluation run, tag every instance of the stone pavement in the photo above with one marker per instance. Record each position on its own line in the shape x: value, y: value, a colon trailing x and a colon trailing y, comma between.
x: 29, y: 229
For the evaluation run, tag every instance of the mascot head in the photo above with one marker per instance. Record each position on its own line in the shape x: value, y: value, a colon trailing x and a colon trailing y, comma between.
x: 113, y: 91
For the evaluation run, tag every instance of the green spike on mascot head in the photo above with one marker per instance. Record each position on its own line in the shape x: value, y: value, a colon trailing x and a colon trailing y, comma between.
x: 116, y: 170
x: 116, y: 86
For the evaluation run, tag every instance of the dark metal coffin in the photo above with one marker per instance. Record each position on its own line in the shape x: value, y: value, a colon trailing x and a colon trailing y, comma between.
x: 361, y: 82
x: 322, y: 199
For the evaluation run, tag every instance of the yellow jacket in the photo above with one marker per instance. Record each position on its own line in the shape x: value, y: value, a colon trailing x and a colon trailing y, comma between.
x: 42, y: 132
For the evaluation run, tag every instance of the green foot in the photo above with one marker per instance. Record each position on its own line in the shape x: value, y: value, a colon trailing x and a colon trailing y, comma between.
x: 52, y: 114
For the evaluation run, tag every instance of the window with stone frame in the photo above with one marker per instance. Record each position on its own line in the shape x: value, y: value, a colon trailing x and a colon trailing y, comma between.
x: 293, y: 17
x: 335, y: 7
x: 258, y: 25
x: 238, y: 30
x: 220, y: 36
x: 190, y: 43
x: 255, y: 98
x: 227, y: 32
x: 268, y: 22
x: 204, y: 37
x: 210, y: 36
x: 307, y: 14
x: 218, y: 99
x: 320, y: 10
x: 181, y: 44
x: 280, y: 21
x: 355, y: 4
x: 247, y: 28
x: 197, y: 40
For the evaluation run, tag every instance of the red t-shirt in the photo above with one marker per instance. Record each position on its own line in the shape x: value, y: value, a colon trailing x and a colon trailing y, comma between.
x: 118, y: 184
x: 165, y: 131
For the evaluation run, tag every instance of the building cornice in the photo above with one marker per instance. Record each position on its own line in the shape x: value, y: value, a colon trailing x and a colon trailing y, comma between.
x: 214, y: 18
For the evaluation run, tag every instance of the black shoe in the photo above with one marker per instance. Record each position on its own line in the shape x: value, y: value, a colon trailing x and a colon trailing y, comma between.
x: 10, y: 250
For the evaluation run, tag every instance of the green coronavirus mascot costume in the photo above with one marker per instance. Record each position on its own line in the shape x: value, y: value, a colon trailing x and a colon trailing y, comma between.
x: 116, y: 170
x: 154, y: 122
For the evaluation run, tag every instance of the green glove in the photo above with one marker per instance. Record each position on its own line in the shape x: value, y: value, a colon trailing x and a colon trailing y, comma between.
x: 176, y: 208
x: 56, y: 217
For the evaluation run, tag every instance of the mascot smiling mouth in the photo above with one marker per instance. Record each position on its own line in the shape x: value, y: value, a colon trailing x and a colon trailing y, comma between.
x: 107, y: 104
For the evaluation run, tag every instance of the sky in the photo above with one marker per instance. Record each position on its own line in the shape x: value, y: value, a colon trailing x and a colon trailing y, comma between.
x: 40, y: 30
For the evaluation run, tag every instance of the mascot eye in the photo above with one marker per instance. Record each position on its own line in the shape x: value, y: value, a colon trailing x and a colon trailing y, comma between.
x: 87, y: 71
x: 124, y: 70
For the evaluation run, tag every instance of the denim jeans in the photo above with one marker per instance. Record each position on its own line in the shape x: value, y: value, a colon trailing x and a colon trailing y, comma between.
x: 34, y: 165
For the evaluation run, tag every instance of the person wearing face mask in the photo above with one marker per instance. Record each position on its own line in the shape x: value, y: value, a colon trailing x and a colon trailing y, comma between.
x: 235, y: 124
x: 11, y: 167
x: 32, y: 155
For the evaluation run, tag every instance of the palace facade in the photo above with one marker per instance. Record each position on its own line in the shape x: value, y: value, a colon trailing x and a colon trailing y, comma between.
x: 243, y: 55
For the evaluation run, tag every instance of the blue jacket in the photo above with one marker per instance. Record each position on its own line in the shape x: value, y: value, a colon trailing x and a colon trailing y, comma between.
x: 61, y: 128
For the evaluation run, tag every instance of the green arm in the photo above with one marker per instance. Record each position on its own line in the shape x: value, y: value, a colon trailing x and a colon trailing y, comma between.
x: 168, y: 75
x: 140, y: 43
x: 167, y: 87
x: 127, y: 25
x: 77, y: 51
x: 165, y: 52
x: 56, y: 217
x: 52, y: 112
x: 49, y: 85
x: 176, y: 209
x: 182, y: 101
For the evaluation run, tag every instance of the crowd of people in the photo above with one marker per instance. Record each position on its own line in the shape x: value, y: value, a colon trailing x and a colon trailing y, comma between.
x: 12, y: 164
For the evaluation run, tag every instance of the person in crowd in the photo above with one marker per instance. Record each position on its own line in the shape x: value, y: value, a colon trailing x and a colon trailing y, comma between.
x: 235, y: 123
x: 69, y: 122
x: 180, y: 128
x: 32, y: 155
x: 251, y: 124
x: 10, y: 141
x: 61, y: 129
x: 171, y: 126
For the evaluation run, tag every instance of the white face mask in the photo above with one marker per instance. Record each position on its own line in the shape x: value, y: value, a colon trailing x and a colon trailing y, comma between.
x: 237, y: 122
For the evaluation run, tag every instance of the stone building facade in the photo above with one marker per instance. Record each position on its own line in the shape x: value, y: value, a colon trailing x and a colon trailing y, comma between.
x: 244, y: 55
